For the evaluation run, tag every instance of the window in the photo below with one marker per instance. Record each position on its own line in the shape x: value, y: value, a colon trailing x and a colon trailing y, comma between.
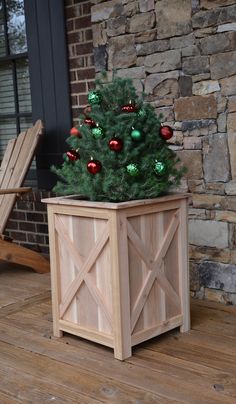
x: 15, y: 96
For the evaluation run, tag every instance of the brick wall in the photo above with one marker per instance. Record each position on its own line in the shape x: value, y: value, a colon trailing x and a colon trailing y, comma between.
x: 28, y: 222
x: 80, y: 52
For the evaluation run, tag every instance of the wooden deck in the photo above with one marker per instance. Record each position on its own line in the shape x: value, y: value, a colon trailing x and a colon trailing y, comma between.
x: 196, y: 367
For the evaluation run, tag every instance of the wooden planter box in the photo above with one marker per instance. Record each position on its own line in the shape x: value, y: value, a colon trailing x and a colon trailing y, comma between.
x: 119, y: 270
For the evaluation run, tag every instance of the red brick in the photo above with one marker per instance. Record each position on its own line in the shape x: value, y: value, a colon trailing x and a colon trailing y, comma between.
x: 84, y: 49
x: 88, y: 35
x: 72, y: 38
x: 83, y: 22
x: 86, y: 8
x: 83, y: 99
x: 78, y: 87
x: 70, y: 12
x: 69, y: 25
x: 83, y: 74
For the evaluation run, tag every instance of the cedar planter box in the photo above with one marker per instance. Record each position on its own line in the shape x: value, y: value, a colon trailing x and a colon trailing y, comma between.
x: 119, y: 270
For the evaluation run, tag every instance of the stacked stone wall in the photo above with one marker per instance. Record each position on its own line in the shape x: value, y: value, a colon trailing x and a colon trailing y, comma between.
x: 182, y: 53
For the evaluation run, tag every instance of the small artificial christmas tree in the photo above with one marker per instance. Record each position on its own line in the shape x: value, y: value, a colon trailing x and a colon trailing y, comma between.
x: 119, y: 152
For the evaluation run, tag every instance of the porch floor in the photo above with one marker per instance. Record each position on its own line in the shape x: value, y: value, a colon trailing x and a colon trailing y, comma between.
x: 195, y: 367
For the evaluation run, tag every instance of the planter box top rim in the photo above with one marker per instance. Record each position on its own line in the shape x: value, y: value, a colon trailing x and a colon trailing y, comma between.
x: 68, y: 200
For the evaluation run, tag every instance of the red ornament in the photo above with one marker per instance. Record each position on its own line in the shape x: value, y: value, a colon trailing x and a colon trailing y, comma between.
x: 75, y: 132
x: 94, y: 166
x: 129, y: 108
x: 166, y: 132
x: 73, y: 155
x: 90, y: 122
x: 115, y: 144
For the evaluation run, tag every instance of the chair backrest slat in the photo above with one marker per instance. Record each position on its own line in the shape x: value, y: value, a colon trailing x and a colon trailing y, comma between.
x: 15, y: 165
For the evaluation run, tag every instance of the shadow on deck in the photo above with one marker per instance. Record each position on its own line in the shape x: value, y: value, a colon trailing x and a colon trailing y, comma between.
x: 196, y: 367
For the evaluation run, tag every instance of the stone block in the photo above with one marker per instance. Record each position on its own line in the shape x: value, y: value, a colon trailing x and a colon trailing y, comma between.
x: 131, y: 8
x: 141, y: 22
x: 166, y: 112
x: 200, y: 253
x: 205, y: 32
x: 148, y: 36
x: 215, y: 275
x: 209, y: 201
x: 107, y: 10
x: 223, y: 65
x: 196, y: 186
x: 121, y: 52
x: 192, y: 143
x: 230, y: 188
x: 194, y: 277
x: 152, y: 47
x: 230, y: 203
x: 116, y: 26
x: 192, y: 159
x: 206, y: 87
x: 221, y: 122
x: 197, y: 214
x: 201, y: 77
x: 146, y: 5
x: 177, y: 138
x: 198, y: 107
x: 225, y: 216
x: 228, y: 86
x: 99, y: 34
x: 196, y: 65
x: 100, y: 58
x: 132, y: 73
x: 221, y: 103
x: 181, y: 42
x: 216, y: 188
x: 216, y: 158
x: 232, y: 104
x: 153, y: 80
x: 214, y: 17
x: 231, y: 129
x: 189, y: 126
x: 163, y: 62
x: 208, y: 4
x: 173, y: 18
x: 185, y: 86
x: 227, y: 27
x: 218, y: 43
x: 208, y: 233
x: 192, y: 50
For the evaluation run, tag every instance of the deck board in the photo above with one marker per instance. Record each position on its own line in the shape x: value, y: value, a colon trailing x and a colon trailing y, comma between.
x: 35, y: 367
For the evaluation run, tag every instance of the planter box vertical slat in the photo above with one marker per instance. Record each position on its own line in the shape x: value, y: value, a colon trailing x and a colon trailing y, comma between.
x: 119, y: 270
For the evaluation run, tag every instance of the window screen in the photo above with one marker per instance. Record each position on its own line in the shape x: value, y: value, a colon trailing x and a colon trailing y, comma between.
x: 15, y: 96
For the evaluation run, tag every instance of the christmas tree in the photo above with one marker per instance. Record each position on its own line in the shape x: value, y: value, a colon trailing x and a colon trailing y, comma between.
x: 119, y: 152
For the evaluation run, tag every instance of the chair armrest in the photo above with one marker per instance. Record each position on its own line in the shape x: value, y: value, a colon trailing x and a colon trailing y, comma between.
x: 15, y: 190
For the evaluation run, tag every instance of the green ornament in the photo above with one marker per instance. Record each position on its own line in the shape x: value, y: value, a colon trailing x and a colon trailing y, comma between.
x: 94, y: 97
x: 136, y: 135
x: 97, y: 132
x: 159, y: 167
x: 142, y: 113
x: 132, y: 169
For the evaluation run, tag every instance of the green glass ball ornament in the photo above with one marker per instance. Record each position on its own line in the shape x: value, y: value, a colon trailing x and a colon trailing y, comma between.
x: 159, y: 167
x: 136, y: 135
x: 94, y: 97
x: 142, y: 113
x: 97, y: 132
x: 132, y: 169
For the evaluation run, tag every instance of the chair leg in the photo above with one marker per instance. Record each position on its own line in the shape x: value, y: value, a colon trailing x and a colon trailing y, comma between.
x: 17, y: 254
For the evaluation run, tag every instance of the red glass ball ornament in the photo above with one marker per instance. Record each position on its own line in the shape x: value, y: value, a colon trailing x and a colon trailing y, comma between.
x: 90, y: 122
x: 73, y: 155
x: 128, y: 108
x: 166, y: 132
x: 115, y: 144
x: 94, y: 166
x: 75, y: 132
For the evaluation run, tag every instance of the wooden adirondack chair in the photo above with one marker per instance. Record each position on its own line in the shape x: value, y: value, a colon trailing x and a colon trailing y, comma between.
x: 14, y: 167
